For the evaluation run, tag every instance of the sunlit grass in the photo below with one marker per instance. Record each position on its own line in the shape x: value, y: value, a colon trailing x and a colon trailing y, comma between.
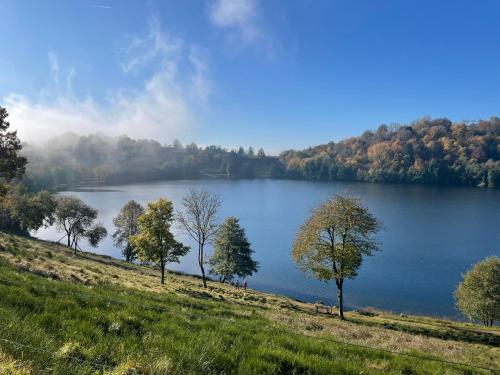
x: 76, y: 317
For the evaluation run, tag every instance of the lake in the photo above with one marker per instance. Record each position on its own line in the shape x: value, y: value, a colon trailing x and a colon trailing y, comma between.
x: 431, y: 236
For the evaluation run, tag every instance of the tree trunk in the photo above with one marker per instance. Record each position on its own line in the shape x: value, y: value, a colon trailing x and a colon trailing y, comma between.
x: 200, y: 262
x: 203, y: 275
x: 162, y: 266
x: 69, y: 240
x: 340, y: 297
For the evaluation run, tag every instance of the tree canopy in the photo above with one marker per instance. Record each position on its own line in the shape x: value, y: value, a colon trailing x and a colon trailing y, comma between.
x: 22, y: 212
x: 155, y: 241
x: 332, y: 242
x: 478, y: 295
x: 77, y: 220
x: 426, y: 152
x: 232, y: 253
x: 12, y: 165
x: 126, y: 227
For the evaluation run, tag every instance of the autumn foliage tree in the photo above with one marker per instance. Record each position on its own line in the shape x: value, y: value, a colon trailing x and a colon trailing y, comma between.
x: 332, y: 242
x: 427, y: 151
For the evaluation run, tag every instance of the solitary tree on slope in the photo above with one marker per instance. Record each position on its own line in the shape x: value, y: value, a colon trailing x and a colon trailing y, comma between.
x: 126, y: 227
x: 199, y: 221
x: 154, y: 241
x: 232, y: 252
x: 478, y: 295
x: 331, y: 244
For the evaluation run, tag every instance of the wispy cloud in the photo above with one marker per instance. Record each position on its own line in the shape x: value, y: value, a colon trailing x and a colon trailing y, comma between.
x: 54, y: 67
x: 201, y: 84
x: 242, y: 24
x: 163, y: 108
x: 240, y: 16
x: 100, y: 6
x: 154, y: 46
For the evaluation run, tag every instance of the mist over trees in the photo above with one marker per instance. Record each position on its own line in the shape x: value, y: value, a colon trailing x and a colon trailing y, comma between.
x: 73, y: 160
x: 425, y: 152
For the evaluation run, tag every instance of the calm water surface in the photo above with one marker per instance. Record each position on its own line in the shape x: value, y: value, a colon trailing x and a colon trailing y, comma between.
x: 432, y: 235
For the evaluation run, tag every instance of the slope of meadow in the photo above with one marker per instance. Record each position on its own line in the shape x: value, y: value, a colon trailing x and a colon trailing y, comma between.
x: 64, y: 313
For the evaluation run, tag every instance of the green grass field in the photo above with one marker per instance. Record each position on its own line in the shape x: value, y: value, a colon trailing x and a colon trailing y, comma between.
x: 90, y: 314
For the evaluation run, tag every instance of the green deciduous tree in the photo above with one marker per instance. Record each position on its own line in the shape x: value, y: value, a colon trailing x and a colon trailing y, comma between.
x: 77, y: 220
x: 12, y: 165
x: 155, y: 242
x: 22, y: 212
x: 331, y: 244
x: 199, y: 221
x: 478, y: 295
x: 232, y: 252
x: 33, y: 211
x: 126, y: 227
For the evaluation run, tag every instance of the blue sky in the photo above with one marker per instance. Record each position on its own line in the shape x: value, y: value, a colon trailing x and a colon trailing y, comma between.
x: 276, y: 74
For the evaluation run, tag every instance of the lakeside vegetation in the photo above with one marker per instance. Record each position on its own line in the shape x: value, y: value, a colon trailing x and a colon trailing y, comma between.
x: 427, y: 151
x: 87, y: 314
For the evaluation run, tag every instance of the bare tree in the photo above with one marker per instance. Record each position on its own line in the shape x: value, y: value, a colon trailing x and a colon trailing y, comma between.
x: 199, y: 220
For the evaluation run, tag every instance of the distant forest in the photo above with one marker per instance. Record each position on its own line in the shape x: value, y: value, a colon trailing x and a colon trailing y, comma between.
x: 424, y: 152
x: 71, y: 160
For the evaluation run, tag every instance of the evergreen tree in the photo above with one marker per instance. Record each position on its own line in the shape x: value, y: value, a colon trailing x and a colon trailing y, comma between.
x: 11, y: 164
x: 232, y: 253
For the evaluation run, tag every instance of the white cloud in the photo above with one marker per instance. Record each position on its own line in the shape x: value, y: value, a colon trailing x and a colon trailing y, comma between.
x: 240, y: 15
x: 243, y: 25
x: 163, y: 108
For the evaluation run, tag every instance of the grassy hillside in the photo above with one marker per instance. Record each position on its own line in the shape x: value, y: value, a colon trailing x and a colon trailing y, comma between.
x: 85, y: 314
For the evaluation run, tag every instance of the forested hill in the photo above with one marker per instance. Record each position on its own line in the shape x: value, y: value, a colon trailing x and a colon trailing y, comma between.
x: 425, y: 152
x: 78, y: 160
